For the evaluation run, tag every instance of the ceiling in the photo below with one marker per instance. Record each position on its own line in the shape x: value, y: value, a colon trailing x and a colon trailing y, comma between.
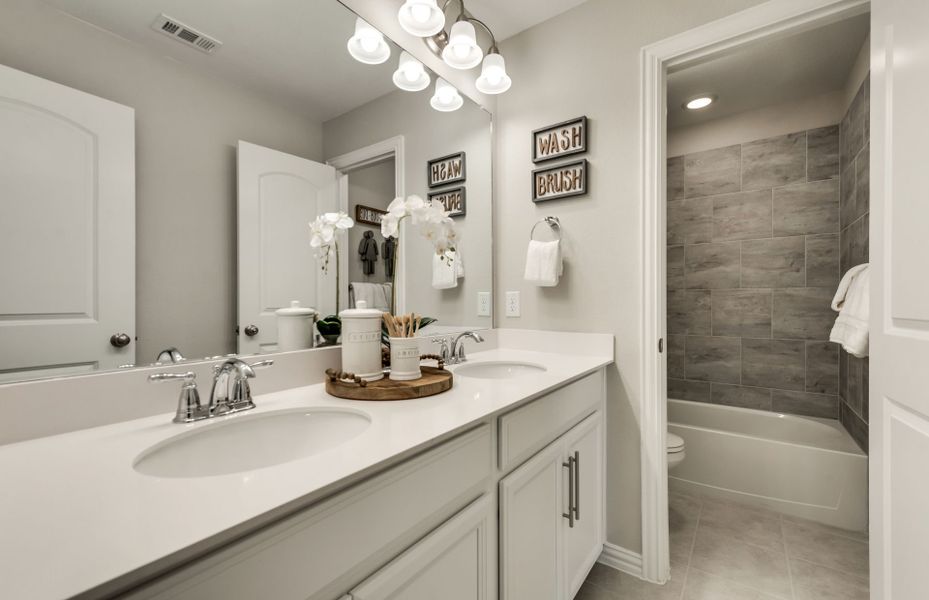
x: 293, y: 50
x: 508, y: 17
x: 767, y: 73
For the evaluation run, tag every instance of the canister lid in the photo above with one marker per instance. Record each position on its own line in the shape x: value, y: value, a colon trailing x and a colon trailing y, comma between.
x: 361, y: 311
x: 295, y: 310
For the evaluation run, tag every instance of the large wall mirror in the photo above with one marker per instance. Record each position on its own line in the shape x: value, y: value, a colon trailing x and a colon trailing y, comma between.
x: 160, y: 163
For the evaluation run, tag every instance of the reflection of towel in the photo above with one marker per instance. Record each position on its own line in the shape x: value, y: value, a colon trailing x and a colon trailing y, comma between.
x: 447, y: 270
x: 544, y: 264
x: 377, y: 295
x: 852, y: 302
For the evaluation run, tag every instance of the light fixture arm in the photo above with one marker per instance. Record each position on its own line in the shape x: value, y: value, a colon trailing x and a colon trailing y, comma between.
x: 441, y: 38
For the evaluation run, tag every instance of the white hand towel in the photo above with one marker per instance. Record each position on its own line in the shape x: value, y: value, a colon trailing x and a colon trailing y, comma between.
x: 447, y: 270
x: 853, y: 303
x: 544, y: 264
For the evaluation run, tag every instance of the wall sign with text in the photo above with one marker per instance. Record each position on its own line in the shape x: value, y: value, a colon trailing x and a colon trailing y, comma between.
x: 560, y: 181
x: 445, y: 170
x: 453, y: 199
x: 368, y: 215
x: 560, y: 140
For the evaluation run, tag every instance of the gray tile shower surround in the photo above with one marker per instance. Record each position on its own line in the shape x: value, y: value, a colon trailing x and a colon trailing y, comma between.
x: 753, y: 262
x: 854, y: 216
x: 722, y: 550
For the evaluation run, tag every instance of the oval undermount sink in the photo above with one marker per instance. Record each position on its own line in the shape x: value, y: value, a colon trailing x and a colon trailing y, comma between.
x: 499, y: 370
x: 248, y: 442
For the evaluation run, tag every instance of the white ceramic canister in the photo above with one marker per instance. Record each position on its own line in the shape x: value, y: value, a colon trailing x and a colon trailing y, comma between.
x: 295, y: 327
x: 404, y: 359
x: 361, y: 341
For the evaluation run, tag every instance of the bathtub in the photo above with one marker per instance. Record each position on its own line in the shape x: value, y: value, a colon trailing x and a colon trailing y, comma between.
x: 800, y: 466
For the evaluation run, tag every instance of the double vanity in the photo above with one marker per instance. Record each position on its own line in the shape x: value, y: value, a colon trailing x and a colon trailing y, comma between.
x: 494, y: 488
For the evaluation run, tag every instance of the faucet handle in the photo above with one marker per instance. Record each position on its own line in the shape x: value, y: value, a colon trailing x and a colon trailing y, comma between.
x: 443, y: 349
x: 188, y: 377
x: 188, y: 403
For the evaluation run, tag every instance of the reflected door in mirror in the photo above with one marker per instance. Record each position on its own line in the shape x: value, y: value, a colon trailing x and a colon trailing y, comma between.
x: 279, y: 194
x: 67, y: 229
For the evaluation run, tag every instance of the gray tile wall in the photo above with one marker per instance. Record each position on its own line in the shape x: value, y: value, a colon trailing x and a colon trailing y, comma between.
x: 854, y: 213
x: 753, y: 262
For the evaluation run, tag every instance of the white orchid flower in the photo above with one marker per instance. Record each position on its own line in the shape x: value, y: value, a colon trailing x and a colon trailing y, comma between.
x: 338, y: 220
x: 390, y: 225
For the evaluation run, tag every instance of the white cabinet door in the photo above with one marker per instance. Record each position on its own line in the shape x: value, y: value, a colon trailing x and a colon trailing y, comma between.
x: 279, y: 194
x: 899, y: 401
x: 67, y: 228
x: 454, y: 562
x: 584, y: 540
x: 532, y: 502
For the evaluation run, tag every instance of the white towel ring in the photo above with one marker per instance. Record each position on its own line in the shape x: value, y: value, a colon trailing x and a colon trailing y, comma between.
x: 553, y: 223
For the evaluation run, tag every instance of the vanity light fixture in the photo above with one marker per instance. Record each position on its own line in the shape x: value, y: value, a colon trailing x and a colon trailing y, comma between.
x: 421, y: 18
x: 462, y: 51
x: 446, y: 98
x: 411, y: 76
x: 699, y: 102
x: 458, y: 47
x: 493, y: 79
x: 368, y: 45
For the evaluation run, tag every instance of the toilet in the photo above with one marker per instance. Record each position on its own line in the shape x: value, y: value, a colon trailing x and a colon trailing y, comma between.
x: 675, y: 450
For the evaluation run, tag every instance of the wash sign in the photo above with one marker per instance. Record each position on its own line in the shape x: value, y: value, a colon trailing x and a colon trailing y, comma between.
x: 559, y: 140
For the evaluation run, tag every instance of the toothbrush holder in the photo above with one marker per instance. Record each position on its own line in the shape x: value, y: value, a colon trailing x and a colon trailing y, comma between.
x: 404, y: 359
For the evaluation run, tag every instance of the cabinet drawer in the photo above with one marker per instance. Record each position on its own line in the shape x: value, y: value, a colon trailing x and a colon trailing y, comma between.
x: 455, y: 562
x: 323, y: 550
x: 530, y: 428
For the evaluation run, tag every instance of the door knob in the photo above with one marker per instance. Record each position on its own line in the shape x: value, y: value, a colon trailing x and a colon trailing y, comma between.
x: 251, y: 330
x: 120, y: 340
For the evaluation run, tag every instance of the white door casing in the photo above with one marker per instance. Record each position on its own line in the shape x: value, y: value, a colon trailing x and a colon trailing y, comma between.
x: 278, y: 196
x: 899, y: 228
x: 67, y: 228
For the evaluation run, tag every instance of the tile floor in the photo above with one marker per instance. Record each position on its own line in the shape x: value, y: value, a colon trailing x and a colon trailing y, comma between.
x: 722, y: 550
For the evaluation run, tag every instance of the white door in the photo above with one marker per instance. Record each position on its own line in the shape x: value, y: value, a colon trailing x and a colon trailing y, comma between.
x: 899, y: 393
x: 67, y: 229
x: 279, y: 194
x: 532, y: 501
x: 584, y: 540
x: 454, y: 562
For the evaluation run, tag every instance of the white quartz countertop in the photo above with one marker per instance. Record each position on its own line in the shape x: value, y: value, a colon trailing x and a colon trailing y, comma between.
x: 75, y: 515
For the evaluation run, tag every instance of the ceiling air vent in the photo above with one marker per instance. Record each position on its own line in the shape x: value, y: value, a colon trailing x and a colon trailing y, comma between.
x: 187, y: 35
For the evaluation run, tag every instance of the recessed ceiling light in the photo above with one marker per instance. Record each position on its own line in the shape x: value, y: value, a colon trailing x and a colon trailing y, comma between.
x: 699, y: 102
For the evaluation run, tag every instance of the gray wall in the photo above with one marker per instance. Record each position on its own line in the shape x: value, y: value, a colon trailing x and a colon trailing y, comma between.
x: 187, y: 126
x: 431, y: 134
x: 587, y: 62
x: 373, y: 186
x: 855, y: 139
x: 753, y: 263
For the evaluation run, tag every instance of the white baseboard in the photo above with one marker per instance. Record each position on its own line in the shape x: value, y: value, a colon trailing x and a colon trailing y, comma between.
x: 621, y: 559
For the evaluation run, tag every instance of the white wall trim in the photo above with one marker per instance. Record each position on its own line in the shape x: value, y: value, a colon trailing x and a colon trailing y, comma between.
x: 362, y: 157
x: 621, y: 559
x: 773, y: 18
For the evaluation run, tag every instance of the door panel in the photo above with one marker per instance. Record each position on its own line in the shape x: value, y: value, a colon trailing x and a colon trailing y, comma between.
x: 279, y: 194
x: 532, y: 500
x: 584, y: 541
x: 899, y: 400
x: 67, y: 228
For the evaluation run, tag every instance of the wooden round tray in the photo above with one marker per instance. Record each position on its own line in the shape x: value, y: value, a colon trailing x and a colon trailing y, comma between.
x: 434, y: 381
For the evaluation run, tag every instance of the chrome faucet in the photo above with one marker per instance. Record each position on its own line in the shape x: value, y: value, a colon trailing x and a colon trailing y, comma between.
x: 231, y: 392
x: 457, y: 351
x: 170, y: 355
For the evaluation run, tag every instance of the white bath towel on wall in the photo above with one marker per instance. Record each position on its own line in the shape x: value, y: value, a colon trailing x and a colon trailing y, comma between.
x: 447, y: 270
x: 544, y: 263
x: 852, y: 302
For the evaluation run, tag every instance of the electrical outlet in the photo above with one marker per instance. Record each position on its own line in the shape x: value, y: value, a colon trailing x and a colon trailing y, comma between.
x: 512, y: 304
x: 483, y: 304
